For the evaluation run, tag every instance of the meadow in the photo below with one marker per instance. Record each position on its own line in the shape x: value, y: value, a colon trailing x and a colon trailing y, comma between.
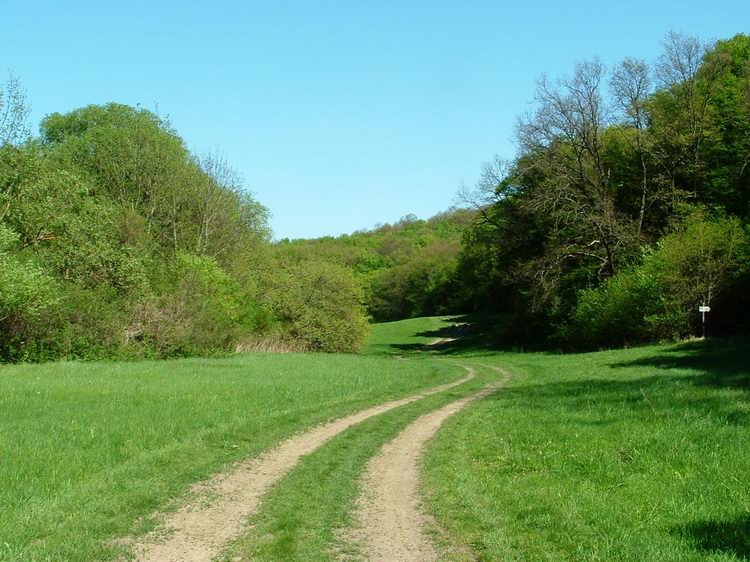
x: 622, y: 212
x: 631, y: 454
x: 89, y: 450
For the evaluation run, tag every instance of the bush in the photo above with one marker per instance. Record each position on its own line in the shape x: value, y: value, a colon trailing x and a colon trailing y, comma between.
x: 630, y: 308
x: 198, y: 311
x: 658, y: 299
x: 26, y: 292
x: 320, y: 305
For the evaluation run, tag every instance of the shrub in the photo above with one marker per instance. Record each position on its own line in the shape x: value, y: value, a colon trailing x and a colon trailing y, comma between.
x: 26, y: 291
x: 198, y: 310
x: 320, y: 305
x: 658, y: 299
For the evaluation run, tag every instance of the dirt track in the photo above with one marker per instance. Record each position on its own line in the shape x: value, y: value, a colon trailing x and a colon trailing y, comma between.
x: 219, y: 508
x: 392, y: 526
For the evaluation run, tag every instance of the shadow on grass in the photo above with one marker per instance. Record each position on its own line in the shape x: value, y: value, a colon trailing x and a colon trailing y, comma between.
x: 726, y: 537
x: 717, y: 363
x: 721, y: 362
x: 464, y: 333
x: 651, y: 400
x: 657, y: 390
x: 724, y: 362
x: 694, y: 375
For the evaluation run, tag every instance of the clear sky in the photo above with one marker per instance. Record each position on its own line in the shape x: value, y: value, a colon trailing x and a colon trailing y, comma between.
x: 339, y: 114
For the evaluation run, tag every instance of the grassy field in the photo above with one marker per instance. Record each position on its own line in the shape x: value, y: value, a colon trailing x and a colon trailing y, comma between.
x: 88, y: 449
x: 405, y: 336
x: 636, y: 454
x: 302, y: 517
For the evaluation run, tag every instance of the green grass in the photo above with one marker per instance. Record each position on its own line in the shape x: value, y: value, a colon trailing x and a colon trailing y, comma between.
x: 301, y: 517
x: 88, y: 449
x: 405, y: 336
x: 637, y: 454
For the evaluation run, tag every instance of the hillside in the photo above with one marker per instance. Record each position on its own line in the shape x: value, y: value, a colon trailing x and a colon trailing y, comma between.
x: 625, y: 209
x: 407, y: 269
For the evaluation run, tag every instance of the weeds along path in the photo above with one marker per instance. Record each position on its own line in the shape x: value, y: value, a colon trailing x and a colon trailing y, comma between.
x: 219, y: 508
x: 391, y: 523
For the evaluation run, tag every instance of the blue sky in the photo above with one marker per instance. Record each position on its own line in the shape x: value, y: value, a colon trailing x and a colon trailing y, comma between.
x: 339, y: 114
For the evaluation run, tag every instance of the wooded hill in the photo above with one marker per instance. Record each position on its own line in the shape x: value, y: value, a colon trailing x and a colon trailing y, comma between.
x: 406, y: 269
x: 626, y: 208
x: 115, y: 240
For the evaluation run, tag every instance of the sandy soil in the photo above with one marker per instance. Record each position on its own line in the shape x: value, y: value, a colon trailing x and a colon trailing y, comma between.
x: 391, y: 523
x: 219, y: 508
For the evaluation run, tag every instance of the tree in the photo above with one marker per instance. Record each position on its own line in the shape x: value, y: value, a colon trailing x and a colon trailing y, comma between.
x: 631, y: 88
x: 14, y: 111
x: 319, y: 304
x: 564, y: 148
x: 658, y: 298
x: 696, y: 262
x: 135, y: 158
x: 688, y: 73
x: 229, y: 220
x: 26, y: 291
x: 726, y: 147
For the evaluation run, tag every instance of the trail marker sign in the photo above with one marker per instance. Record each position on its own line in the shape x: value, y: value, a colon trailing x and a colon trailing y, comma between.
x: 703, y: 309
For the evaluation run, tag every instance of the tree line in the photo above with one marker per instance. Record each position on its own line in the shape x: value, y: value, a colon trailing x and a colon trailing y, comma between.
x: 406, y: 269
x: 625, y: 209
x: 117, y: 241
x: 627, y: 205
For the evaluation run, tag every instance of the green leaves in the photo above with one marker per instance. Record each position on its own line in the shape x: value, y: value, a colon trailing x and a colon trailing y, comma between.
x: 657, y: 299
x: 150, y: 250
x: 24, y: 287
x: 319, y: 304
x: 26, y: 291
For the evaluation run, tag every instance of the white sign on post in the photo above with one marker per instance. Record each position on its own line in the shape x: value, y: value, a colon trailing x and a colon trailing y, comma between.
x: 704, y: 309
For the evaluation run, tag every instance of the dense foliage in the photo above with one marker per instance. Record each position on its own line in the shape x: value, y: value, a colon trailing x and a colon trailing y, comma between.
x: 625, y: 209
x: 115, y: 240
x: 627, y: 206
x: 406, y: 269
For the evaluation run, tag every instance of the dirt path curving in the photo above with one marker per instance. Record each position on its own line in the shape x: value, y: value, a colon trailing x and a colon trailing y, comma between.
x: 391, y: 524
x: 219, y: 508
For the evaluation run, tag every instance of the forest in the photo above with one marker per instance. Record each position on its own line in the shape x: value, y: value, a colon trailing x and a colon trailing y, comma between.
x: 116, y: 241
x: 625, y: 208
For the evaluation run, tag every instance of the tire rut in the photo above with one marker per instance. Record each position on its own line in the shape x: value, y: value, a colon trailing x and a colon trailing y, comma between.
x: 219, y: 507
x: 391, y: 522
